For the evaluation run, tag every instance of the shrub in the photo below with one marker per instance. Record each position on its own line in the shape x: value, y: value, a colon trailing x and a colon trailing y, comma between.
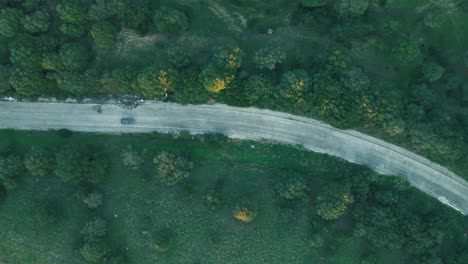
x: 94, y: 231
x: 93, y: 200
x: 94, y: 252
x: 333, y: 202
x: 292, y: 187
x: 432, y: 71
x: 131, y: 158
x: 244, y: 214
x: 39, y: 162
x: 163, y: 240
x: 171, y: 169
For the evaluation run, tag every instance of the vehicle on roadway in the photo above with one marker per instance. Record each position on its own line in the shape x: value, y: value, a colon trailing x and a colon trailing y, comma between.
x: 127, y: 121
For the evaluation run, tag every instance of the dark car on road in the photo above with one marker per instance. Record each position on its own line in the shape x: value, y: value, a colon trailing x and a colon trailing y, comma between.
x: 127, y: 121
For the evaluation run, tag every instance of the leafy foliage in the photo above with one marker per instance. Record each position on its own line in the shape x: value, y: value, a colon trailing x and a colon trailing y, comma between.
x: 269, y: 57
x: 432, y: 71
x: 104, y: 34
x: 93, y: 200
x: 154, y: 83
x: 38, y: 21
x: 171, y: 169
x: 170, y: 20
x: 72, y: 11
x: 333, y: 201
x: 39, y: 162
x: 351, y: 8
x: 294, y: 84
x: 10, y: 21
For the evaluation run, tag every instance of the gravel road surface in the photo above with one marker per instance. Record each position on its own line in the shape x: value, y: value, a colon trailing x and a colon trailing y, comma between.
x: 244, y: 123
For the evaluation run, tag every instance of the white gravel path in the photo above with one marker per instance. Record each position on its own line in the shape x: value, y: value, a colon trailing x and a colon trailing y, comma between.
x: 245, y: 123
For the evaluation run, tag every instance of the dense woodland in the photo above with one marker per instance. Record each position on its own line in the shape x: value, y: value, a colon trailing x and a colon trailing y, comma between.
x: 73, y: 185
x: 394, y: 69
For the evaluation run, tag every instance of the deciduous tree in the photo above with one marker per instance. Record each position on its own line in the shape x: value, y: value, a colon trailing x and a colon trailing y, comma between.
x: 155, y: 83
x: 351, y: 8
x: 170, y: 20
x: 432, y: 71
x: 294, y: 84
x: 28, y: 83
x: 333, y: 201
x: 256, y: 88
x: 10, y: 21
x: 104, y: 34
x: 36, y: 22
x: 269, y: 57
x: 73, y: 11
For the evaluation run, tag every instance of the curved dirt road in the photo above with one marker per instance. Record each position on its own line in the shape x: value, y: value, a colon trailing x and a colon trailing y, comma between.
x: 245, y: 123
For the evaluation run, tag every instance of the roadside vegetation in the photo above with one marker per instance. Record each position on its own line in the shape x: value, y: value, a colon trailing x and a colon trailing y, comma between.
x: 152, y: 198
x: 395, y: 69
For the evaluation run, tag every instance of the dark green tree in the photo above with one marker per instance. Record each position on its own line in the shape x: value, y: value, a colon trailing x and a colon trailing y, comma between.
x: 38, y: 21
x: 74, y: 57
x: 120, y: 81
x: 257, y: 87
x: 27, y: 52
x: 432, y: 71
x: 104, y: 34
x: 170, y: 20
x: 178, y: 56
x: 10, y: 21
x: 78, y: 84
x: 28, y: 83
x: 73, y: 11
x: 269, y: 57
x: 351, y: 8
x: 73, y: 30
